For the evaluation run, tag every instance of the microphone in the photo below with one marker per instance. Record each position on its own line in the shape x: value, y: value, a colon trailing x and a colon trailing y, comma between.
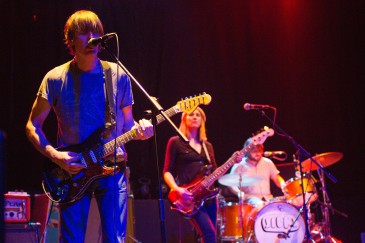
x: 248, y: 106
x: 274, y: 153
x: 96, y: 41
x: 278, y: 155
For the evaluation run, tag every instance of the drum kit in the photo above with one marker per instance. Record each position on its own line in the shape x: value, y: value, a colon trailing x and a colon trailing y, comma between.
x: 281, y: 219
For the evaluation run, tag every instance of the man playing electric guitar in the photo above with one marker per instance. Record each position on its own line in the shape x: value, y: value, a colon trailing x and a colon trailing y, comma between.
x: 62, y: 187
x: 77, y: 94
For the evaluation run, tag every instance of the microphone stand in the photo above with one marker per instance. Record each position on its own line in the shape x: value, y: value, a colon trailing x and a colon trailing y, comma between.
x: 304, y: 206
x: 156, y: 108
x: 307, y: 154
x: 240, y: 205
x: 325, y: 206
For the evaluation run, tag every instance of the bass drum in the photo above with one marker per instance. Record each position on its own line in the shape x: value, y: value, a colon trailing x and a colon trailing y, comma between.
x: 272, y: 223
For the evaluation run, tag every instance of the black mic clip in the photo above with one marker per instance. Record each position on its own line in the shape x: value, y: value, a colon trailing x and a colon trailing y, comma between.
x: 100, y: 40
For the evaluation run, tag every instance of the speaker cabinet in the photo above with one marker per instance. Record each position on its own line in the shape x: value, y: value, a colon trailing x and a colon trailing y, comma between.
x: 144, y: 224
x: 24, y: 233
x: 148, y: 223
x: 2, y: 181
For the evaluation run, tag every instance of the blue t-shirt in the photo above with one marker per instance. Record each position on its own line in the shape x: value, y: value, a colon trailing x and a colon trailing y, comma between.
x: 79, y: 101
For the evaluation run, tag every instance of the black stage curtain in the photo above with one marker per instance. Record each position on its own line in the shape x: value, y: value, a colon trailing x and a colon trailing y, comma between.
x: 303, y: 57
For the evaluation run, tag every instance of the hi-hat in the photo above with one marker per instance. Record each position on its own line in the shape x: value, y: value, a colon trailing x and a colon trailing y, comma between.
x: 238, y: 180
x: 324, y: 159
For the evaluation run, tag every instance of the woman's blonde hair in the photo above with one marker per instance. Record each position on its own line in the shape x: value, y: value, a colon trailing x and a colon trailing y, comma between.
x: 82, y: 21
x: 202, y: 130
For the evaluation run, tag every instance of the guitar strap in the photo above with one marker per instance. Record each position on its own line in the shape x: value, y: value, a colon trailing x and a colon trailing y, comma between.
x: 108, y: 88
x: 206, y: 152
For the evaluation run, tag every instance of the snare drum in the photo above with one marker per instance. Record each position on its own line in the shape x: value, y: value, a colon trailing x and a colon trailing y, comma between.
x: 272, y: 223
x: 233, y: 220
x: 293, y: 188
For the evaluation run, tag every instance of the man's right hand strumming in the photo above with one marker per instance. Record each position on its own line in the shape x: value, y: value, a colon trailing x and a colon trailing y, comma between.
x: 67, y: 160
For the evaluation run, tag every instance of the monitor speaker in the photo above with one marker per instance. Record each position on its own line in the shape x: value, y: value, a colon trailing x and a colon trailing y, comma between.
x: 2, y: 181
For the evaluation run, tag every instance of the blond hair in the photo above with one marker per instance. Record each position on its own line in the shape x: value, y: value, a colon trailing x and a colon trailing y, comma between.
x: 82, y: 21
x: 202, y: 130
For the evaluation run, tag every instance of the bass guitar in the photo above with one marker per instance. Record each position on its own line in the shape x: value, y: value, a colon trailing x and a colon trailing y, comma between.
x: 200, y: 188
x: 63, y: 187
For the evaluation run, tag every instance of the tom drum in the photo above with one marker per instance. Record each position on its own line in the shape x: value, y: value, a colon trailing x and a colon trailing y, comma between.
x: 293, y: 189
x: 234, y: 216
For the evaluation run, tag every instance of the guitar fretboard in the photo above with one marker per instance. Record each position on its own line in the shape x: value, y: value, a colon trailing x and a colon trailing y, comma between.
x: 221, y: 170
x: 110, y: 146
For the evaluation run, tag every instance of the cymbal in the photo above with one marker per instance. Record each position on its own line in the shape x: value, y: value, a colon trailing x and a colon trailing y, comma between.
x: 324, y: 159
x: 238, y: 180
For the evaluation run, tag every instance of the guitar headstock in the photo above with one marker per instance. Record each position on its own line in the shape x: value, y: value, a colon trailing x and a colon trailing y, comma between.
x: 261, y: 137
x: 188, y: 105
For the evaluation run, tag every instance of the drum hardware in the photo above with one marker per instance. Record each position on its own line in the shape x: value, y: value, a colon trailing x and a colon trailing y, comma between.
x: 324, y: 232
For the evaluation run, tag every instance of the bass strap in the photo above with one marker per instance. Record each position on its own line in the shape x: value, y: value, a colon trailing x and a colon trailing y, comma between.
x: 206, y: 152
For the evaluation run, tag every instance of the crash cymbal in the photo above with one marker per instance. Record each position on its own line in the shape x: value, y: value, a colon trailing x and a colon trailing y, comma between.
x: 324, y: 159
x: 238, y: 180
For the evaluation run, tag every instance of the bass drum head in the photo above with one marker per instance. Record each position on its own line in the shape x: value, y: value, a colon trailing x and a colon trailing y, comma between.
x: 273, y: 221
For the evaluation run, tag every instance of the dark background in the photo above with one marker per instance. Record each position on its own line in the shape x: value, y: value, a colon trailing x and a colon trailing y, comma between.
x: 303, y: 57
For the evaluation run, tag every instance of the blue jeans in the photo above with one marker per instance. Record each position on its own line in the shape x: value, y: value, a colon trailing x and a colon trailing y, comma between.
x: 205, y: 221
x: 111, y: 196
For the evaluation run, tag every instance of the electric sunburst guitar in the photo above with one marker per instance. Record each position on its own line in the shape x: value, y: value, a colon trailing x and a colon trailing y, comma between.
x: 200, y: 187
x: 62, y: 187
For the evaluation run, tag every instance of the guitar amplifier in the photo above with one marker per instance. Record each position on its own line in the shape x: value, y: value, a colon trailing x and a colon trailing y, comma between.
x: 16, y: 207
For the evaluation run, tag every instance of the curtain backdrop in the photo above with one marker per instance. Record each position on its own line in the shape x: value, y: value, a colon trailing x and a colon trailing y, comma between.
x: 303, y: 57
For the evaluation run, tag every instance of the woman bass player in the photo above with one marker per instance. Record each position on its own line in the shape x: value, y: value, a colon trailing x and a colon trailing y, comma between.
x: 183, y: 164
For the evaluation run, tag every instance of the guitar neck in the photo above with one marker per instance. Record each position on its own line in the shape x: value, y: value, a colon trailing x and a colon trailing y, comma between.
x: 221, y: 170
x: 132, y: 134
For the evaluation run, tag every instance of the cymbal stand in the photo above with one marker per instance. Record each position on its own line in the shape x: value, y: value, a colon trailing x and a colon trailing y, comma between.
x: 325, y: 214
